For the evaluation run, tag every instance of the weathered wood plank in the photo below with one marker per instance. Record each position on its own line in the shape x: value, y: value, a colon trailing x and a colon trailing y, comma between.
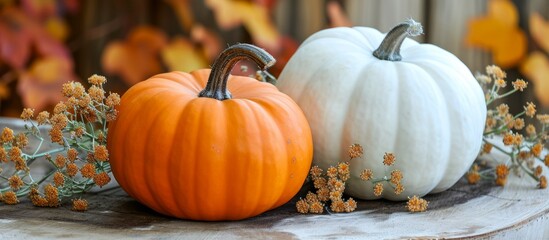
x: 464, y: 211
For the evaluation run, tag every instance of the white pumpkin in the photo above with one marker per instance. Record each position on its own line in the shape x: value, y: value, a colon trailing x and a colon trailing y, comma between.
x: 417, y: 101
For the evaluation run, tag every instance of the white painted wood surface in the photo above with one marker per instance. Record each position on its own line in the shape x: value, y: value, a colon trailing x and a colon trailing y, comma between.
x: 517, y: 211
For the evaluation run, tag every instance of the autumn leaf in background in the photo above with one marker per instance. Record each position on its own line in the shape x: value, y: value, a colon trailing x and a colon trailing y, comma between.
x: 209, y: 42
x: 499, y: 33
x: 45, y: 9
x: 536, y: 66
x: 148, y: 51
x: 539, y: 28
x: 184, y: 13
x: 181, y: 55
x: 255, y: 16
x: 47, y: 12
x: 136, y: 58
x: 41, y: 82
x: 197, y: 51
x: 31, y: 48
x: 15, y: 38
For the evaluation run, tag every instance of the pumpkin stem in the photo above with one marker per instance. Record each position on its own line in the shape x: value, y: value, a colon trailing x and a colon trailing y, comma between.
x: 389, y: 49
x: 217, y: 82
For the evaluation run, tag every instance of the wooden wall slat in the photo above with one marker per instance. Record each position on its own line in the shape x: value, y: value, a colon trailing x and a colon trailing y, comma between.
x: 541, y: 7
x: 445, y: 21
x: 311, y: 18
x: 448, y: 27
x: 383, y: 15
x: 284, y: 14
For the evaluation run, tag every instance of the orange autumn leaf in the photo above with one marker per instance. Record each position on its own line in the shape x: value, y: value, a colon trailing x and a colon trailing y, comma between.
x: 209, y: 41
x: 539, y: 28
x: 136, y: 58
x: 255, y: 17
x: 15, y: 40
x: 149, y: 38
x: 4, y: 91
x: 131, y: 64
x: 499, y: 33
x: 50, y: 69
x: 536, y: 68
x: 181, y: 55
x: 39, y: 85
x: 20, y: 35
x: 228, y: 14
x: 40, y: 9
x: 44, y: 9
x: 184, y: 13
x: 57, y: 28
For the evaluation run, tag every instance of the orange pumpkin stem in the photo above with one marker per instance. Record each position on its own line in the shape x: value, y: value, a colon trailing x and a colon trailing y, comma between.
x: 217, y: 82
x: 389, y: 49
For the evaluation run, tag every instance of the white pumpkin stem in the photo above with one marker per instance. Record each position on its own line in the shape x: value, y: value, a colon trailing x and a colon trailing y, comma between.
x: 389, y: 49
x: 217, y: 82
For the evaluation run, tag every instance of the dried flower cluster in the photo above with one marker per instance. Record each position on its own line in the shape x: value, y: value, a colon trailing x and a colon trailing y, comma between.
x: 329, y: 188
x: 79, y: 126
x: 330, y: 185
x: 394, y: 180
x: 524, y: 141
x: 416, y: 204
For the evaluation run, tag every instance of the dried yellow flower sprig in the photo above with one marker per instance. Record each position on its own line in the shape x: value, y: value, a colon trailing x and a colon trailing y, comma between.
x: 329, y: 186
x: 525, y: 153
x: 394, y: 179
x: 329, y: 189
x: 416, y: 204
x: 79, y: 126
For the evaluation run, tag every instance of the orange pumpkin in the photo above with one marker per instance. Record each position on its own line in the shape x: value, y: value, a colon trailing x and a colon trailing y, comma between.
x: 186, y: 147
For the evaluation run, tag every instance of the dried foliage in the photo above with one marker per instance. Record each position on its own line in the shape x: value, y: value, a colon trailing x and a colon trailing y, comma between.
x: 78, y: 126
x: 33, y: 53
x: 330, y: 185
x: 522, y: 141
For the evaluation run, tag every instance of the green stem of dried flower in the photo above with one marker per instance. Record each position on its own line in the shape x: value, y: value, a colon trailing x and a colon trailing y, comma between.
x: 524, y: 150
x: 79, y: 126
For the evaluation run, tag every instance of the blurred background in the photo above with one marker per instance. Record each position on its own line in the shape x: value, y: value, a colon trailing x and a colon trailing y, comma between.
x: 45, y: 43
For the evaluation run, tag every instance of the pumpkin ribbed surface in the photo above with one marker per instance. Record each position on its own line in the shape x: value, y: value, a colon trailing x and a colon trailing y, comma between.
x: 426, y: 108
x: 201, y: 158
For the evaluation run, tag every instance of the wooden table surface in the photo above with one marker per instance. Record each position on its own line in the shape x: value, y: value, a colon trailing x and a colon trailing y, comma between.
x: 519, y: 210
